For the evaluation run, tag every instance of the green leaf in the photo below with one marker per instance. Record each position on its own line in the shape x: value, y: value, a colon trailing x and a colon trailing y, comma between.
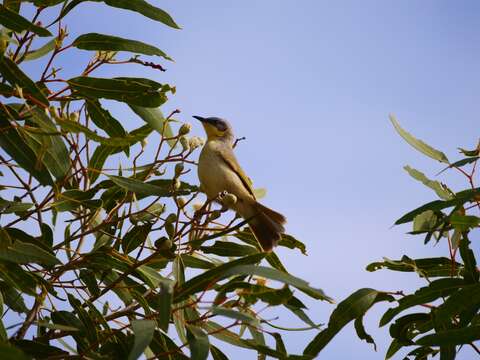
x: 165, y: 298
x: 25, y: 253
x: 88, y: 278
x: 217, y: 354
x: 436, y: 289
x: 155, y: 119
x: 362, y: 334
x: 210, y: 277
x: 135, y: 91
x: 436, y: 186
x: 39, y: 350
x: 47, y: 142
x: 277, y: 275
x: 17, y: 23
x: 72, y: 199
x: 119, y: 141
x: 195, y: 262
x: 462, y: 300
x: 426, y: 221
x: 460, y: 198
x: 426, y: 268
x: 139, y: 187
x: 451, y: 337
x: 104, y: 120
x: 9, y: 352
x: 135, y: 237
x: 9, y: 207
x: 471, y: 273
x: 14, y: 145
x: 353, y: 307
x: 139, y: 6
x: 226, y: 248
x: 12, y: 73
x: 419, y: 144
x: 100, y: 155
x: 143, y: 331
x: 198, y: 343
x: 40, y: 52
x: 460, y: 163
x: 13, y: 299
x: 464, y: 222
x: 290, y: 242
x: 233, y: 314
x: 94, y: 41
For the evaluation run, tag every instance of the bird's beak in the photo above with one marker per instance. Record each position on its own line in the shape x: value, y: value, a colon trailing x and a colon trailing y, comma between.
x: 199, y: 118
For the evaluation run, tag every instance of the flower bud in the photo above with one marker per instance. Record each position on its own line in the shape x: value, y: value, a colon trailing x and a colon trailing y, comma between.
x: 184, y: 142
x: 197, y: 206
x: 184, y: 129
x: 178, y: 169
x: 196, y: 142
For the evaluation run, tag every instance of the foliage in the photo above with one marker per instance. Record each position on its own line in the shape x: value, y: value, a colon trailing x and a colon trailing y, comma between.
x: 442, y: 316
x: 106, y: 250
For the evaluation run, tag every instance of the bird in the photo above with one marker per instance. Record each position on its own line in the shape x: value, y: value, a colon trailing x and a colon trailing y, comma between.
x: 219, y: 172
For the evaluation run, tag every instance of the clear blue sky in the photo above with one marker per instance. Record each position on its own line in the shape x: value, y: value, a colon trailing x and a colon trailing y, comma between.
x: 310, y: 84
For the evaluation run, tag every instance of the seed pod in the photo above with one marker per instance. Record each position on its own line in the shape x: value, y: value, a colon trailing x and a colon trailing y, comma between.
x: 163, y: 243
x: 184, y: 129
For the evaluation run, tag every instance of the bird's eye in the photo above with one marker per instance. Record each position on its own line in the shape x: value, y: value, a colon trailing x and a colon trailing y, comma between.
x: 220, y: 125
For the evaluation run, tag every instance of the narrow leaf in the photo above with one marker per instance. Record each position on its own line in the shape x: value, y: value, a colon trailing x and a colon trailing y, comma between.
x: 18, y: 23
x: 143, y: 331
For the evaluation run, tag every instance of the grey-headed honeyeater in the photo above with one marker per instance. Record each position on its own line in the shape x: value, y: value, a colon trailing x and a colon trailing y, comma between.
x: 219, y: 171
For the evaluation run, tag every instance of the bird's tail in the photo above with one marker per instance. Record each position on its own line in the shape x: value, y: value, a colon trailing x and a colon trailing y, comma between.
x: 267, y: 226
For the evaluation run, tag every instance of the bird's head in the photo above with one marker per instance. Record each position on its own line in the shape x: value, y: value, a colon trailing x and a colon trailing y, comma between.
x: 216, y: 128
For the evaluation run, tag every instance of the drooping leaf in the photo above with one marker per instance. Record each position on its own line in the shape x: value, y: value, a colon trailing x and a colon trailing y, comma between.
x: 9, y: 352
x: 226, y: 248
x: 464, y: 222
x: 353, y: 307
x: 419, y: 144
x: 154, y: 117
x: 103, y: 119
x: 14, y: 145
x: 40, y: 52
x: 139, y: 6
x: 135, y: 91
x: 436, y: 186
x: 143, y: 331
x: 198, y: 343
x: 165, y: 304
x: 135, y: 237
x: 139, y: 187
x: 233, y: 314
x: 94, y: 41
x: 362, y: 334
x: 471, y: 274
x: 25, y: 253
x: 460, y: 163
x: 210, y: 277
x: 16, y: 77
x: 277, y: 275
x: 18, y: 23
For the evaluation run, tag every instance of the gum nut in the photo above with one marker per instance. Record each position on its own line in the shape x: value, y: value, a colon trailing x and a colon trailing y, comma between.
x: 180, y: 202
x: 163, y: 243
x: 74, y: 116
x: 215, y: 214
x: 179, y: 169
x: 197, y: 206
x: 171, y: 218
x: 184, y: 129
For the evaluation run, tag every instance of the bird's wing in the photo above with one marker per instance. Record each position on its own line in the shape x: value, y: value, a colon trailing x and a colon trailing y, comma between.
x: 229, y: 158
